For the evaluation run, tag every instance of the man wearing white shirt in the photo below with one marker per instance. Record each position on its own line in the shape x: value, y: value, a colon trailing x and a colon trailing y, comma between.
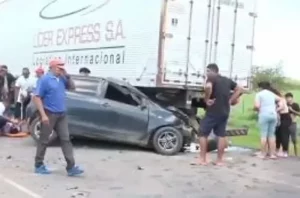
x: 24, y: 85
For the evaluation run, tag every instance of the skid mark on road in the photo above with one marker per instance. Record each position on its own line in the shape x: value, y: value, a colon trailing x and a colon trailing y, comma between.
x: 19, y: 187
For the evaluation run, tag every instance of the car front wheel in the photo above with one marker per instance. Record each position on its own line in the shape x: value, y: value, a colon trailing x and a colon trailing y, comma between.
x: 167, y: 141
x: 35, y: 130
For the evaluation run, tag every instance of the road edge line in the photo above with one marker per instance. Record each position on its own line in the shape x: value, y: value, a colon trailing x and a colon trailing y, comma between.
x: 19, y: 187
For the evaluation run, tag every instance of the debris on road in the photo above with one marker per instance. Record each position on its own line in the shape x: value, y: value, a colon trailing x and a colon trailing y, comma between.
x: 81, y: 194
x: 72, y: 188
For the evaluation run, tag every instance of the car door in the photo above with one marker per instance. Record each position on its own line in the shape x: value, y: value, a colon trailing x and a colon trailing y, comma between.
x: 101, y: 120
x: 132, y: 122
x: 90, y: 114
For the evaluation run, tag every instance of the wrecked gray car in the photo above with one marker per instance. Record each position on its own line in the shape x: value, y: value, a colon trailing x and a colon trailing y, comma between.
x: 113, y: 110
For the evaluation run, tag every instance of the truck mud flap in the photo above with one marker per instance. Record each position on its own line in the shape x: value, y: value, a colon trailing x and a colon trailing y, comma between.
x: 237, y: 132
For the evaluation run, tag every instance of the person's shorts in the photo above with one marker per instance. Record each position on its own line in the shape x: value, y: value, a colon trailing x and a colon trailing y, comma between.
x: 293, y: 129
x: 213, y: 123
x: 267, y: 124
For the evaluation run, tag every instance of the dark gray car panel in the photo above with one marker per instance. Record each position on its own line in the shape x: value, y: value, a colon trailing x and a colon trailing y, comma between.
x: 89, y: 116
x: 132, y: 122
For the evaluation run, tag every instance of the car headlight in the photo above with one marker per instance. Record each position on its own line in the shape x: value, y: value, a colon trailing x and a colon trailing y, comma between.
x: 171, y: 118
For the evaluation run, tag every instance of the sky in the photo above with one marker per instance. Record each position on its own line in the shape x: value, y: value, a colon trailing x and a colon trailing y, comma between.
x: 277, y: 36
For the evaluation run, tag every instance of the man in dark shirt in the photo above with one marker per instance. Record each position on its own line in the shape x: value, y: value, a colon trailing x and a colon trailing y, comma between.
x: 218, y: 98
x: 6, y: 83
x: 294, y: 111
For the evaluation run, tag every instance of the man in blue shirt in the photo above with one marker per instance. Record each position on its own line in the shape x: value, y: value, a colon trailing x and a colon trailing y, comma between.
x: 49, y: 97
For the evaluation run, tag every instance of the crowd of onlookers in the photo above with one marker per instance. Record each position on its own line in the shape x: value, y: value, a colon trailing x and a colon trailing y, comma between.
x: 277, y: 114
x: 15, y: 93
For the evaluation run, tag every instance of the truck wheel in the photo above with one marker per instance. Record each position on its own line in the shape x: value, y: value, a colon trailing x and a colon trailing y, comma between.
x: 35, y: 129
x: 167, y: 141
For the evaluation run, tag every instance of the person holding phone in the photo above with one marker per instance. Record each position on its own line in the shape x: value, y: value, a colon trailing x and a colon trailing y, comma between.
x: 49, y: 97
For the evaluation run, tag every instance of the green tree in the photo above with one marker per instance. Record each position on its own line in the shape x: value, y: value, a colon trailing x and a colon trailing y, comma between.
x: 272, y: 74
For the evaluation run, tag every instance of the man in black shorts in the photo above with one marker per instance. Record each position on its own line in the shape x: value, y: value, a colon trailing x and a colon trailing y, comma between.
x: 218, y: 98
x: 294, y: 111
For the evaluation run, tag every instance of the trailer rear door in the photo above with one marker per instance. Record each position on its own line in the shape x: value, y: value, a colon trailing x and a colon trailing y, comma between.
x: 201, y: 32
x: 177, y: 69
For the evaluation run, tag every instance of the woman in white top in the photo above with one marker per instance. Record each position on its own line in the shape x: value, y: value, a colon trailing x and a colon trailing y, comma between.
x: 265, y: 104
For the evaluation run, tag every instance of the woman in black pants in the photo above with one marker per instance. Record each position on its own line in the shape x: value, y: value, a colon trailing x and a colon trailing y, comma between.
x: 283, y: 134
x: 283, y: 131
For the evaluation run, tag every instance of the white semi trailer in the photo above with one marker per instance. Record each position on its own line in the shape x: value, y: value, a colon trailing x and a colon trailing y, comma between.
x: 160, y: 46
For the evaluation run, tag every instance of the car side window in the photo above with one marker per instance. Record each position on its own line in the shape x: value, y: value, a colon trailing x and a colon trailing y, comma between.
x: 119, y: 95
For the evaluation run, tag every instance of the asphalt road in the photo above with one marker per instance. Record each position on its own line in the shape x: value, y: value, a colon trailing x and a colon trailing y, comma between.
x: 130, y: 172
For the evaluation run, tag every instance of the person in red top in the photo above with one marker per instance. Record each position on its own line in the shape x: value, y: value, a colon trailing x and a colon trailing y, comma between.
x: 39, y: 72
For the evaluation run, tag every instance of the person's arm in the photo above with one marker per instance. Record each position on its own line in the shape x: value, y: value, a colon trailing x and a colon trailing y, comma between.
x: 207, y: 90
x: 11, y: 80
x: 70, y: 85
x: 17, y: 88
x: 257, y: 102
x: 39, y: 93
x: 295, y: 109
x: 280, y: 103
x: 237, y: 91
x: 6, y: 119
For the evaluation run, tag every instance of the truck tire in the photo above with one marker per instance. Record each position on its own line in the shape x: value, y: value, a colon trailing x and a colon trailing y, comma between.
x: 167, y: 141
x: 34, y: 129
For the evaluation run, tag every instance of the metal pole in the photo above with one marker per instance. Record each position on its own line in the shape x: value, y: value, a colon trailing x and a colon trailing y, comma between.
x: 233, y: 38
x: 212, y: 30
x: 217, y: 31
x: 207, y: 35
x: 188, y: 50
x: 254, y: 15
x: 189, y: 44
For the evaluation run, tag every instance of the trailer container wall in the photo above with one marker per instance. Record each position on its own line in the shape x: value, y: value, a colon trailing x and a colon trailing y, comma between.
x: 157, y: 43
x: 210, y: 31
x: 113, y: 38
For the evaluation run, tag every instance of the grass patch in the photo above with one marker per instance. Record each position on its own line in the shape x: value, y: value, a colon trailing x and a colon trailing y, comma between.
x: 242, y: 114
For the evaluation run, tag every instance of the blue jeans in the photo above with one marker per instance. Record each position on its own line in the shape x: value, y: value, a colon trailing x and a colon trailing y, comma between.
x: 267, y: 124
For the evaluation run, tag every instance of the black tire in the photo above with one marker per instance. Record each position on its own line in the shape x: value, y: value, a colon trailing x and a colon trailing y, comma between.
x: 174, y: 136
x: 34, y: 128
